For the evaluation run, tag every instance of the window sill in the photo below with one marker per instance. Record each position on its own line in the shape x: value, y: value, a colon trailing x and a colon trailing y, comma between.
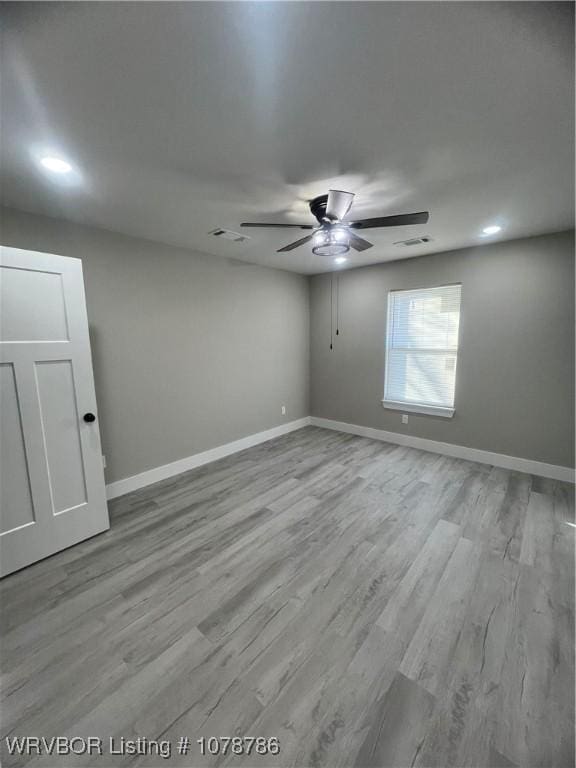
x: 427, y: 410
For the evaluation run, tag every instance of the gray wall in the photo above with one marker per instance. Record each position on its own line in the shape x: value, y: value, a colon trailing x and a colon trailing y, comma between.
x: 515, y: 376
x: 190, y: 351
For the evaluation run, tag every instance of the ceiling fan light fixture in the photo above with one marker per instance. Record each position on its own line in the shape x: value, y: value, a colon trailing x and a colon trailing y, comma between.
x: 331, y: 249
x: 332, y: 242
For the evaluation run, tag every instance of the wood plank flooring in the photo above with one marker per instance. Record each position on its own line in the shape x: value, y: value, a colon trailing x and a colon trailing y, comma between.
x: 367, y: 604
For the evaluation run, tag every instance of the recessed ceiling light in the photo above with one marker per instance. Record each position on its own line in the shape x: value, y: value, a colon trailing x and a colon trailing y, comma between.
x: 340, y: 260
x: 55, y: 164
x: 491, y: 230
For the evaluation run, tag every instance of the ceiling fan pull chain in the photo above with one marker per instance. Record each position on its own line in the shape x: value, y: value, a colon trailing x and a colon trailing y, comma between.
x: 331, y: 311
x: 337, y: 305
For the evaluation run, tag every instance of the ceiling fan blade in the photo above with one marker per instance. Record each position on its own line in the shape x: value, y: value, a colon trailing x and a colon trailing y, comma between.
x: 338, y: 204
x: 298, y: 226
x: 403, y: 220
x: 296, y: 244
x: 358, y: 243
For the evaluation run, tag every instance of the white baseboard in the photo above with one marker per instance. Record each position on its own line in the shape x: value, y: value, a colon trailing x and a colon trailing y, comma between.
x: 539, y: 468
x: 129, y: 484
x: 134, y: 483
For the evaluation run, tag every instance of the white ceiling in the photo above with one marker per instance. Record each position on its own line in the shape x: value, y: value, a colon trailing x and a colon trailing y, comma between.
x: 184, y: 117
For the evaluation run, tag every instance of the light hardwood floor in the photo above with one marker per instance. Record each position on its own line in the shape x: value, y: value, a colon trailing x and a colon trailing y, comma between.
x: 367, y: 604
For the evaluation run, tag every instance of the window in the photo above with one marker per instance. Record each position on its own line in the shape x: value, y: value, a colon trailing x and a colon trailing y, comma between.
x: 422, y: 350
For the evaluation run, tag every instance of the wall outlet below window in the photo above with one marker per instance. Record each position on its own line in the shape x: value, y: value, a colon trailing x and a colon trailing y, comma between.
x: 283, y: 410
x: 404, y: 418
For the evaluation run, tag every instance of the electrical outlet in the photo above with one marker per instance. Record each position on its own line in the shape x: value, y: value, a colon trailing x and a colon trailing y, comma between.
x: 104, y: 461
x: 283, y: 410
x: 404, y: 418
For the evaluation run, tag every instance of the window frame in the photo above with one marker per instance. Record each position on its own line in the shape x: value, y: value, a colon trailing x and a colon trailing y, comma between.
x: 421, y: 408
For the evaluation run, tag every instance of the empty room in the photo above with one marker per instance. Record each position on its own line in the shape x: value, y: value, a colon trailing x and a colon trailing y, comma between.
x: 287, y: 384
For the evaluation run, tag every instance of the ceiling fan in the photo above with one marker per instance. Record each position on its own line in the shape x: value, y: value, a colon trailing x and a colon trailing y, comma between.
x: 332, y: 236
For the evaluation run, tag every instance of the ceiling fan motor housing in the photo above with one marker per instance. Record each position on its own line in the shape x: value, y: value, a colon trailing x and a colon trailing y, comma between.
x: 318, y: 207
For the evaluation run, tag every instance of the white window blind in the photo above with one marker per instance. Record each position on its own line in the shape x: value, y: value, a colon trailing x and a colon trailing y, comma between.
x: 422, y: 349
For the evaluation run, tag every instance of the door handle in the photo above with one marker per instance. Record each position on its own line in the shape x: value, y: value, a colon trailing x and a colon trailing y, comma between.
x: 89, y: 417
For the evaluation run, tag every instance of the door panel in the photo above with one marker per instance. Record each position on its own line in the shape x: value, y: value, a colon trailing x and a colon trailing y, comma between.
x: 52, y: 492
x: 15, y: 492
x: 61, y: 427
x: 33, y: 306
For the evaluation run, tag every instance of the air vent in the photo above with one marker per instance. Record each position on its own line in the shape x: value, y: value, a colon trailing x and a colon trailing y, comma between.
x: 226, y: 234
x: 415, y: 241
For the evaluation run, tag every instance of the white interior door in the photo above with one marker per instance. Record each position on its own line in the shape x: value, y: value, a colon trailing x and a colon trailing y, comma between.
x: 52, y: 491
